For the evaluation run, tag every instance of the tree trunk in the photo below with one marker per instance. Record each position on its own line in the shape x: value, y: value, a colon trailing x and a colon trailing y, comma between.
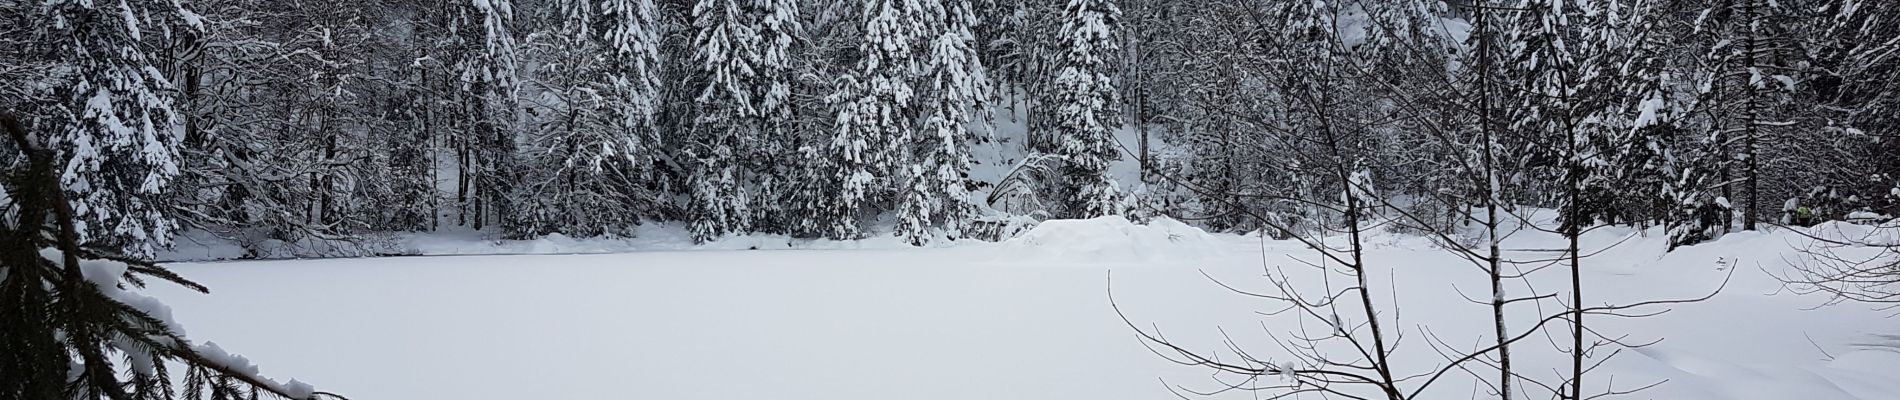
x: 1751, y: 113
x: 1494, y: 253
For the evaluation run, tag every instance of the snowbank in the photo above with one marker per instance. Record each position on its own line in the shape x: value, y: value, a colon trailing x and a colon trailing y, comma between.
x: 1887, y: 234
x: 1110, y: 239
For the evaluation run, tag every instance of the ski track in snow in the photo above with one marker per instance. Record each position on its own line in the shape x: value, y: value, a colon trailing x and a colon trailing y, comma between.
x: 1026, y: 319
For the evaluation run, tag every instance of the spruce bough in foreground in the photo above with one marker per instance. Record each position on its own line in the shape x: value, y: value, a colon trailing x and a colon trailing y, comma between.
x: 71, y: 323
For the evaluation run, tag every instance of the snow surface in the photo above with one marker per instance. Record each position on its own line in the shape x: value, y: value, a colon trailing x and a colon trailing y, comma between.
x: 108, y: 276
x: 1024, y: 319
x: 203, y: 246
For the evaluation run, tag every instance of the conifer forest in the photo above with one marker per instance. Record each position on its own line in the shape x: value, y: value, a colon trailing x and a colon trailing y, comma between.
x: 1395, y: 199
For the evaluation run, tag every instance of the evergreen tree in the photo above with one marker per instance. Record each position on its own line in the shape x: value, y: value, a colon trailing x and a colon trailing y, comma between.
x: 1700, y: 213
x: 1756, y: 69
x: 726, y: 40
x: 472, y: 68
x: 1639, y: 117
x: 956, y: 91
x: 1856, y: 69
x: 278, y: 147
x: 820, y: 67
x: 850, y: 157
x: 780, y: 31
x: 717, y: 206
x: 71, y: 317
x: 111, y: 114
x: 1557, y: 70
x: 884, y: 110
x: 1086, y: 107
x: 597, y: 135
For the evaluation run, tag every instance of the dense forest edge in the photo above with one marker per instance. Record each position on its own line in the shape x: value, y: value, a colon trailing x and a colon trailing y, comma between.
x: 316, y: 124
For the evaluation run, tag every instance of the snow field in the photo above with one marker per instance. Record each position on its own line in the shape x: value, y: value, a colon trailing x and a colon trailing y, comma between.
x: 1024, y: 319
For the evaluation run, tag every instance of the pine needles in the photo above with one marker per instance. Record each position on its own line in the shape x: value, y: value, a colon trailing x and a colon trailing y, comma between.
x: 70, y: 324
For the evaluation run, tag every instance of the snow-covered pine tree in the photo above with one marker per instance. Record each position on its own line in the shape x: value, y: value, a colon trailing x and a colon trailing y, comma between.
x: 1700, y: 213
x: 850, y: 156
x: 897, y: 47
x: 1598, y: 93
x: 1086, y: 108
x: 1700, y: 208
x: 811, y: 184
x: 1567, y: 56
x: 599, y: 87
x: 877, y: 106
x: 71, y: 319
x: 780, y: 31
x: 332, y: 72
x: 812, y: 201
x: 110, y: 111
x: 1415, y: 44
x: 1756, y: 67
x: 1208, y: 127
x: 481, y: 54
x: 1638, y: 119
x: 631, y: 31
x: 395, y: 183
x: 295, y: 131
x: 725, y: 47
x: 1859, y: 68
x: 497, y: 64
x: 883, y: 109
x: 1552, y: 60
x: 956, y: 94
x: 1014, y: 43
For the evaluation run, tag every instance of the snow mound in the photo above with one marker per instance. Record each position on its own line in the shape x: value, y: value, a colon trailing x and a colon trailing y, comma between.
x: 1111, y: 239
x: 1859, y: 375
x: 1887, y: 234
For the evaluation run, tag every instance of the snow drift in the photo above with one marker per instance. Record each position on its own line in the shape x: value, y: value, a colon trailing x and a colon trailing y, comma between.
x: 1110, y: 239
